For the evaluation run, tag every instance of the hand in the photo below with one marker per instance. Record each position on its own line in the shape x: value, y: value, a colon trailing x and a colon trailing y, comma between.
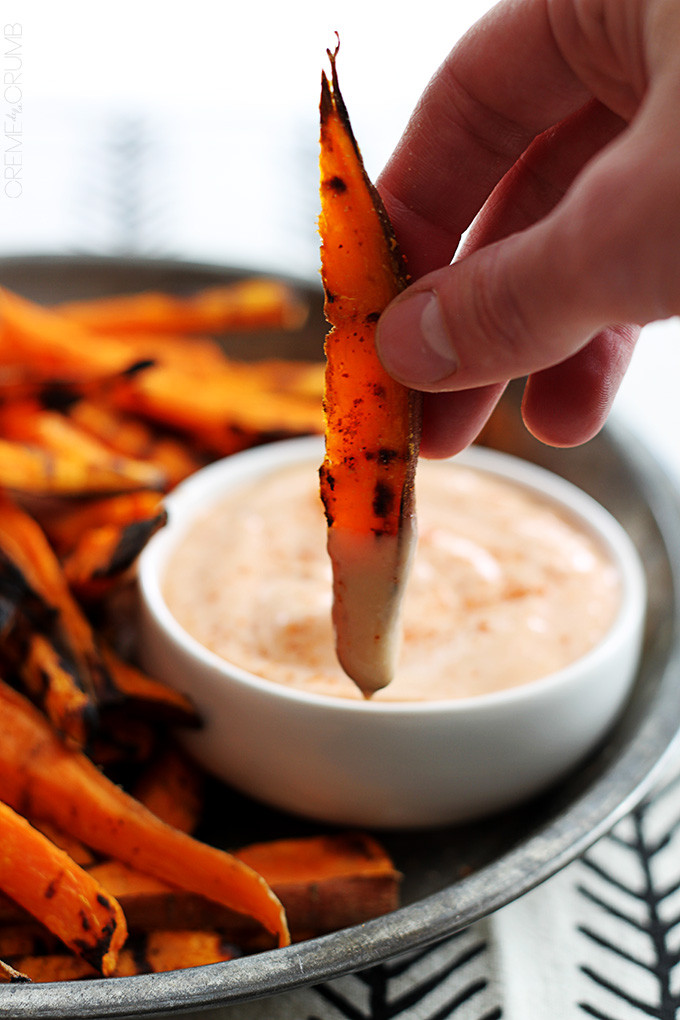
x: 553, y: 125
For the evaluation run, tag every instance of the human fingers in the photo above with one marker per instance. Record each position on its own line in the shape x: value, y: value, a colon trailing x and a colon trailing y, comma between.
x: 567, y: 404
x: 451, y: 421
x: 502, y: 85
x: 606, y: 253
x: 543, y: 174
x: 527, y: 192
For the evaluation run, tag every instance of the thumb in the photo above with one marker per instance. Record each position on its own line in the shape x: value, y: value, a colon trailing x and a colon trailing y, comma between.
x: 605, y: 254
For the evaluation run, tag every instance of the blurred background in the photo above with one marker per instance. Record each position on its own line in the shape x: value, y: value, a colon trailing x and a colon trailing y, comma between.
x: 190, y: 131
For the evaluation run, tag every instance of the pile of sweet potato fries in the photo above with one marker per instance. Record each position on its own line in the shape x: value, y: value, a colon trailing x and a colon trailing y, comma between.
x: 105, y: 405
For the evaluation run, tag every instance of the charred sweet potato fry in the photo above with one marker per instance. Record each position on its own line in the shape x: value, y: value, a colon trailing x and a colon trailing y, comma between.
x: 145, y: 695
x: 372, y: 422
x: 122, y: 741
x: 225, y: 411
x: 251, y: 304
x: 66, y: 899
x: 65, y: 523
x: 10, y: 976
x: 63, y: 623
x: 22, y: 383
x: 60, y: 784
x: 53, y: 683
x: 102, y: 555
x: 153, y: 953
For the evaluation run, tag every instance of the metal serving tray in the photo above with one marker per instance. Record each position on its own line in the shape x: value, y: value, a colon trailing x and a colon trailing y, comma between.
x: 454, y: 876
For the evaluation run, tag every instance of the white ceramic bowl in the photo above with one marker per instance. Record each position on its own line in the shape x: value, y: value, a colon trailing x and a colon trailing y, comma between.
x: 390, y: 764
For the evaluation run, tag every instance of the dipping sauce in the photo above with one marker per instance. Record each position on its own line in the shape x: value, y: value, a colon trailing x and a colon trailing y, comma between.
x: 504, y: 588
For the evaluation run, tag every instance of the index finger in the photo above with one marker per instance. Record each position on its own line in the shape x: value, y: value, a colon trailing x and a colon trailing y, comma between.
x: 504, y: 83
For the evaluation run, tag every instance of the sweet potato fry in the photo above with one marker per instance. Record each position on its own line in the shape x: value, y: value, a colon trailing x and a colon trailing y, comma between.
x: 327, y: 882
x: 57, y: 782
x: 324, y: 883
x: 52, y: 682
x: 65, y: 524
x: 10, y: 976
x: 52, y: 432
x: 145, y: 695
x: 30, y: 383
x: 132, y: 437
x: 77, y: 851
x: 102, y: 555
x: 173, y: 950
x: 153, y: 953
x: 56, y: 967
x: 37, y: 471
x: 372, y: 422
x: 66, y: 899
x: 249, y: 304
x: 24, y: 545
x: 172, y: 787
x: 226, y: 410
x: 32, y: 334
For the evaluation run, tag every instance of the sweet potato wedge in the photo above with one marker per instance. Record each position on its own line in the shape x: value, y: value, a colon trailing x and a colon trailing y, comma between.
x: 327, y: 882
x: 372, y: 422
x: 324, y: 883
x: 59, y: 393
x: 56, y: 782
x: 226, y: 410
x: 45, y: 881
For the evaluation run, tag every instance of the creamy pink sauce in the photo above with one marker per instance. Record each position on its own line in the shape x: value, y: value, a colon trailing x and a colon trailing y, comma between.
x: 504, y: 589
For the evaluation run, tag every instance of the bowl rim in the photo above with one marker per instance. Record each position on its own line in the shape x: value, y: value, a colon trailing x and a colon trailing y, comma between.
x: 202, y: 490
